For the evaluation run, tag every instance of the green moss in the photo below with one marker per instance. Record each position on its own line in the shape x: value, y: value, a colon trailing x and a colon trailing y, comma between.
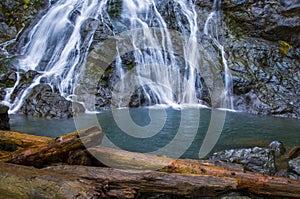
x: 284, y: 47
x: 131, y: 66
x: 26, y: 4
x: 114, y: 8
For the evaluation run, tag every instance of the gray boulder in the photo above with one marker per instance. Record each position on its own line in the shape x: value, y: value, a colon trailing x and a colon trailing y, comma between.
x: 253, y: 159
x: 44, y: 102
x: 294, y: 167
x: 277, y: 147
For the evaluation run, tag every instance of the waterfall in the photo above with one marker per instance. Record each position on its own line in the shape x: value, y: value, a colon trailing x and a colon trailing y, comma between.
x: 156, y: 71
x: 211, y: 28
x: 56, y: 47
x: 59, y: 44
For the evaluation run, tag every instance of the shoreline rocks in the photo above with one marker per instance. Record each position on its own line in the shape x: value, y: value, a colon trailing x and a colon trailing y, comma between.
x: 254, y: 159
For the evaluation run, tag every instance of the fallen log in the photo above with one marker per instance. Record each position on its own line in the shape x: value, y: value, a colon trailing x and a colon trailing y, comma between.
x: 55, y: 150
x: 67, y: 181
x: 21, y: 140
x: 58, y: 149
x: 253, y: 182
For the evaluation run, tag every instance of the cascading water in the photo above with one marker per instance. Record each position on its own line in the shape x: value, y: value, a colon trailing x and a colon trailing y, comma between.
x: 59, y: 44
x: 211, y: 28
x: 157, y: 73
x: 57, y: 48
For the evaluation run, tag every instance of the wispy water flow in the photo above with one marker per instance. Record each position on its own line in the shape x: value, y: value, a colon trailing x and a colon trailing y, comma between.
x: 59, y: 44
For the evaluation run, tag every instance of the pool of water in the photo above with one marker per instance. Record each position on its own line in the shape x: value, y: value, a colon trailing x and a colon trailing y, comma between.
x: 172, y: 132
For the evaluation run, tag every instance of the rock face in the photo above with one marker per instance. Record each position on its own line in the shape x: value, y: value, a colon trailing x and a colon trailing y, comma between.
x: 16, y: 15
x: 4, y: 119
x: 263, y: 52
x: 271, y: 20
x: 253, y: 159
x: 43, y: 102
x: 262, y: 44
x: 261, y: 40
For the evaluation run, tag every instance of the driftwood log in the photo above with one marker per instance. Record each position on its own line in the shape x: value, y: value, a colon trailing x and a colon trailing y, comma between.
x: 172, y: 176
x: 54, y: 150
x: 21, y: 140
x: 67, y: 181
x: 252, y: 182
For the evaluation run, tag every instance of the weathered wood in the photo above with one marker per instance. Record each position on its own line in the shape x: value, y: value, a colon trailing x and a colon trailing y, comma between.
x: 67, y: 181
x: 55, y: 150
x: 22, y: 140
x: 213, y: 176
x: 128, y: 160
x: 253, y: 182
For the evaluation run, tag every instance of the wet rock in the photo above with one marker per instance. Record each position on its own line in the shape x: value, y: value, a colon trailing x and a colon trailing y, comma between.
x: 44, y: 102
x: 15, y: 15
x: 253, y: 159
x: 282, y: 173
x: 277, y: 147
x: 4, y: 118
x: 271, y: 20
x: 265, y: 79
x: 103, y: 98
x: 24, y: 78
x: 262, y: 46
x: 294, y: 167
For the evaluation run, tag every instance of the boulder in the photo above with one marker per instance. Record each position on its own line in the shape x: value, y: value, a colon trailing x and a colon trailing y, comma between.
x: 277, y: 147
x: 253, y: 159
x: 294, y: 167
x: 44, y: 102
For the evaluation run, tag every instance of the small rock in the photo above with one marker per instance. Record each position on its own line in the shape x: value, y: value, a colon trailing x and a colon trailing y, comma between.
x: 277, y: 147
x: 253, y: 159
x: 282, y: 173
x: 294, y: 165
x: 293, y: 176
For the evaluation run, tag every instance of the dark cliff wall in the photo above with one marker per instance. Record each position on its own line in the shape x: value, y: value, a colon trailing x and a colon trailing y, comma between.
x: 263, y: 48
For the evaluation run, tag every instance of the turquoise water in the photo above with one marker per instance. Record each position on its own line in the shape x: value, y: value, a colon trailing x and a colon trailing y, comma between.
x: 159, y: 127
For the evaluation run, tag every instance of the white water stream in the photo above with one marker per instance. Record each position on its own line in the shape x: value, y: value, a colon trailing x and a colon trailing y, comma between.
x: 57, y: 50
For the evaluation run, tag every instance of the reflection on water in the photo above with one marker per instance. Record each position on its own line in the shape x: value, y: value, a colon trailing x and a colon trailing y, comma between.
x: 240, y: 129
